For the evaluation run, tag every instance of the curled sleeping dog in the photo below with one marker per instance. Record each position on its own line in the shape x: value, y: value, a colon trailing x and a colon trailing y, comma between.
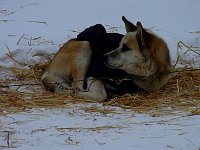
x: 93, y: 62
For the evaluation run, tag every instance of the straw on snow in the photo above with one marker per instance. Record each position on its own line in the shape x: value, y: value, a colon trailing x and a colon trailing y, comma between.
x: 182, y: 93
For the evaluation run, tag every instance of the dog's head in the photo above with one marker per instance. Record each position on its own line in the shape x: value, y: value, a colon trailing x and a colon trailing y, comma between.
x: 131, y: 50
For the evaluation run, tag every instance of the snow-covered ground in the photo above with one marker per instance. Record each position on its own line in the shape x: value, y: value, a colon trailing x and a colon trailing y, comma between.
x: 73, y: 128
x: 29, y: 27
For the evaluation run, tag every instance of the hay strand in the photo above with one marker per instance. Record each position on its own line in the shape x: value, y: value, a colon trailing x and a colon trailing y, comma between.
x: 22, y: 89
x: 182, y: 93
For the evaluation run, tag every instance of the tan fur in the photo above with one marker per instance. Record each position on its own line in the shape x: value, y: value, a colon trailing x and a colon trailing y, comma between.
x: 125, y: 60
x: 66, y: 72
x: 146, y: 60
x: 160, y: 70
x: 65, y: 66
x: 150, y: 72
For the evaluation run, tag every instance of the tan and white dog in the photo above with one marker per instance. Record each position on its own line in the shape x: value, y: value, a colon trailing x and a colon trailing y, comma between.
x: 141, y: 54
x: 155, y: 69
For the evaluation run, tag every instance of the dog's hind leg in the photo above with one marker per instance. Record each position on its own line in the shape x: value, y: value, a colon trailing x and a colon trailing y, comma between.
x: 56, y: 84
x: 68, y: 68
x: 80, y: 65
x: 95, y: 90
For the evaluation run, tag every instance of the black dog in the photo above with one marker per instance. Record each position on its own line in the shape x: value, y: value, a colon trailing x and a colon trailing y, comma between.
x: 101, y: 43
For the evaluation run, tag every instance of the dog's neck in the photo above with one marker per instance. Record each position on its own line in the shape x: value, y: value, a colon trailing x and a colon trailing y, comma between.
x: 153, y: 82
x: 145, y: 69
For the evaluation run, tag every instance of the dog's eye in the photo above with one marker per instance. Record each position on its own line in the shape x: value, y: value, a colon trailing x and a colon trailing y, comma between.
x: 125, y: 48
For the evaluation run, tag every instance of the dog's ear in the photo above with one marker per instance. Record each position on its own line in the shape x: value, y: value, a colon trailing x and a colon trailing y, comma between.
x: 142, y: 34
x: 130, y: 27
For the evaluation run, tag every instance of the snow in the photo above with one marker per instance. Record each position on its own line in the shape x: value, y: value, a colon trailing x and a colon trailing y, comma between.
x: 32, y: 28
x: 61, y: 129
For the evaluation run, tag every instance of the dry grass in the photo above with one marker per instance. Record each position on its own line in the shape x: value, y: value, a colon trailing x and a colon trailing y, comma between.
x: 21, y: 89
x: 182, y: 93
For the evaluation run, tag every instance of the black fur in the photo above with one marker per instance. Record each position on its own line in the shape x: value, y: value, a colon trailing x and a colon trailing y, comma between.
x: 101, y: 43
